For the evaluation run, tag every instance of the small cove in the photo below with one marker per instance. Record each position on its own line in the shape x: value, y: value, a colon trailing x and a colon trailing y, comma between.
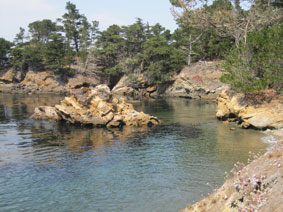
x: 46, y: 166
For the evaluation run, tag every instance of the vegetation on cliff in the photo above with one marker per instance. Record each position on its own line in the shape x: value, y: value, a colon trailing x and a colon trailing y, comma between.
x: 72, y: 41
x: 254, y: 61
x: 246, y: 36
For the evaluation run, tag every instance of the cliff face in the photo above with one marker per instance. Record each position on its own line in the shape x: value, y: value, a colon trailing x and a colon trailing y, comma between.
x: 260, y: 110
x: 31, y: 82
x: 255, y: 187
x: 48, y: 82
x: 200, y: 80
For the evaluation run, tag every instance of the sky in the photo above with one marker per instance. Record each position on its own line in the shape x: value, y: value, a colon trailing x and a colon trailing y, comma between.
x: 19, y: 13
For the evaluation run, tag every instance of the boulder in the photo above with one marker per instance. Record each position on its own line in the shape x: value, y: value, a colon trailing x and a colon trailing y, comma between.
x: 260, y: 110
x: 96, y: 107
x: 88, y: 74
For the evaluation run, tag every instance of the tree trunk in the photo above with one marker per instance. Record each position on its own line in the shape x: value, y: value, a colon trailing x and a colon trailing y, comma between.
x: 189, y: 56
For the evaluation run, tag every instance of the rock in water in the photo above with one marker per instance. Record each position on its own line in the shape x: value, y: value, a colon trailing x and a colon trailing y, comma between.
x: 260, y: 110
x: 96, y: 107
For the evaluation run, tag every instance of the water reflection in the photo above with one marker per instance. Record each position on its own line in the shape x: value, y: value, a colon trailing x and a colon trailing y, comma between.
x: 19, y: 107
x: 182, y: 111
x: 46, y: 165
x: 244, y: 141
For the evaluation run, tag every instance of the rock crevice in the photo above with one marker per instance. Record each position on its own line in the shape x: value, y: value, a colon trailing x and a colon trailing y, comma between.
x: 96, y: 107
x: 259, y: 110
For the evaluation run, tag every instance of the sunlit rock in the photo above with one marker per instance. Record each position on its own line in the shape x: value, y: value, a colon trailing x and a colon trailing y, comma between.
x: 199, y: 80
x: 259, y: 110
x: 96, y: 107
x: 41, y: 82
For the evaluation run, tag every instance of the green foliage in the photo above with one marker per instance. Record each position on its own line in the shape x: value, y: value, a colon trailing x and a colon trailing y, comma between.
x: 78, y: 30
x: 57, y: 53
x: 277, y: 3
x: 46, y: 50
x: 161, y: 59
x: 175, y: 3
x: 134, y: 36
x: 42, y: 30
x: 20, y: 36
x: 209, y: 46
x: 220, y: 5
x: 5, y: 47
x: 258, y: 65
x: 110, y: 48
x: 137, y: 49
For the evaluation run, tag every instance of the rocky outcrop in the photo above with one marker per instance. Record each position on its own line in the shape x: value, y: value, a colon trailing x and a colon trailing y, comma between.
x: 254, y: 187
x: 124, y: 88
x: 96, y: 107
x: 12, y: 77
x: 34, y: 82
x: 138, y: 87
x: 41, y: 82
x: 48, y: 82
x: 260, y: 110
x: 200, y: 80
x: 80, y: 80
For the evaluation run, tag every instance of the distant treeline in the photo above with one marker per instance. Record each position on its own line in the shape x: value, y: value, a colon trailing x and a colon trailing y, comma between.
x: 248, y: 41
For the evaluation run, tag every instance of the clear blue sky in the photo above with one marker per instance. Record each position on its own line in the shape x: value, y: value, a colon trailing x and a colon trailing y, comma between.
x: 19, y: 13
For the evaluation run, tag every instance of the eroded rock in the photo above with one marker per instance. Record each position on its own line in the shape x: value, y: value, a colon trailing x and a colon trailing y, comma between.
x: 96, y: 107
x: 41, y: 82
x: 263, y: 110
x: 12, y: 76
x: 80, y: 80
x: 200, y: 80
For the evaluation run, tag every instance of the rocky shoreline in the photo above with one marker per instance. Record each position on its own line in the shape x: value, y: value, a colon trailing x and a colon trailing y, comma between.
x: 198, y: 81
x: 256, y: 186
x: 258, y: 110
x: 252, y: 187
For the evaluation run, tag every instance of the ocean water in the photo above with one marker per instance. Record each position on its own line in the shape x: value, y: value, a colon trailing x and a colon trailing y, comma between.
x: 48, y: 166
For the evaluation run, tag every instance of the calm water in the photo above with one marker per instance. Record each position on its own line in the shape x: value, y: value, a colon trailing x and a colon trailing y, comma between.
x: 55, y: 167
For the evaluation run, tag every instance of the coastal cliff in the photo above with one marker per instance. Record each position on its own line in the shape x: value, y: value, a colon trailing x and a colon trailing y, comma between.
x: 197, y: 81
x: 200, y: 80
